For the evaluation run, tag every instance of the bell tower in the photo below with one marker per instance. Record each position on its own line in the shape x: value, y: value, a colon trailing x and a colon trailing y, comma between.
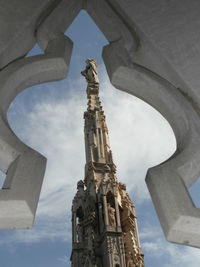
x: 104, y: 224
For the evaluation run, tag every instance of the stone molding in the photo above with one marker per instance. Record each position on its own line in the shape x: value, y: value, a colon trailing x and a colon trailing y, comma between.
x: 143, y: 58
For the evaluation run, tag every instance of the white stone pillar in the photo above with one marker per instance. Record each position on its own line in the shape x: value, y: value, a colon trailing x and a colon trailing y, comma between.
x: 102, y: 144
x: 137, y: 232
x: 117, y: 213
x: 105, y: 210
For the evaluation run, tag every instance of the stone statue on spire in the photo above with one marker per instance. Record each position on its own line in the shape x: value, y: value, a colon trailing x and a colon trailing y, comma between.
x: 90, y: 71
x: 91, y: 76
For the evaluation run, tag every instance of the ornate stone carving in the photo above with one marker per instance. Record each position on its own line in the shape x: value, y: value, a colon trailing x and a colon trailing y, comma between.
x: 90, y: 72
x: 134, y: 256
x: 108, y: 239
x: 141, y: 59
x: 111, y: 215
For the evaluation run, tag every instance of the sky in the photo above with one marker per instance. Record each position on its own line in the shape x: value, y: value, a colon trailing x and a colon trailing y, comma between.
x: 49, y: 118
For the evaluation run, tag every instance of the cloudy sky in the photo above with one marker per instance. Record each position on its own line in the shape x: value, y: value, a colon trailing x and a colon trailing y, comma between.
x: 49, y: 118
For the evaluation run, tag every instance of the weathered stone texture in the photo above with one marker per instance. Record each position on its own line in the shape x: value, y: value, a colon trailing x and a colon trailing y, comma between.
x: 104, y: 224
x: 153, y: 53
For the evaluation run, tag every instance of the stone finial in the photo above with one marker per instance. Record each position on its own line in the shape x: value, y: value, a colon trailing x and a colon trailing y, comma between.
x: 111, y: 215
x: 91, y: 76
x: 80, y: 184
x: 90, y: 71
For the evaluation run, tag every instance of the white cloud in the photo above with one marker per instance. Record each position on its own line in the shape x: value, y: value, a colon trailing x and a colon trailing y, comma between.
x: 65, y: 260
x: 138, y: 136
x: 170, y: 255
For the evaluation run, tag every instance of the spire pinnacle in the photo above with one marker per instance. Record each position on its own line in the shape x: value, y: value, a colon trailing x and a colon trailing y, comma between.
x: 96, y: 133
x: 104, y: 224
x: 91, y: 76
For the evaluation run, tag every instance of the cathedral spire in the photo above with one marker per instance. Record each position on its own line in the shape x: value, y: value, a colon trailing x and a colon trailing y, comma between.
x: 96, y: 132
x: 104, y: 224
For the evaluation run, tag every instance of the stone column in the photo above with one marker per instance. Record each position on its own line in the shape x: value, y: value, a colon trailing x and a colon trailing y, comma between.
x: 74, y: 228
x: 102, y: 144
x: 98, y: 143
x: 100, y: 217
x: 137, y: 232
x: 105, y: 210
x: 117, y: 213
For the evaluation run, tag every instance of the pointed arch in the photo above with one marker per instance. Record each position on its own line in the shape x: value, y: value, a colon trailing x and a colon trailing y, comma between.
x: 137, y: 69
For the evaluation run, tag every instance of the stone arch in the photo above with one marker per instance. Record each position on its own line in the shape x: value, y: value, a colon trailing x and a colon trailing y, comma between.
x: 22, y: 186
x: 127, y: 60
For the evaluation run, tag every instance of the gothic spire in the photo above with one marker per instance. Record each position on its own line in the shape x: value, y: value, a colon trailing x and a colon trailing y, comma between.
x: 97, y: 147
x: 104, y: 224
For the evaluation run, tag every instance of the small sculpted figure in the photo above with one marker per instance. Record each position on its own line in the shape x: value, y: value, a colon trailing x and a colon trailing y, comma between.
x: 111, y: 215
x: 130, y: 263
x: 79, y: 233
x: 90, y: 72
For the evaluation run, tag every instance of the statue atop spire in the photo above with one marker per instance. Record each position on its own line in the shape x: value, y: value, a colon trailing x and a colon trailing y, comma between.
x: 90, y: 71
x: 104, y: 224
x: 91, y: 76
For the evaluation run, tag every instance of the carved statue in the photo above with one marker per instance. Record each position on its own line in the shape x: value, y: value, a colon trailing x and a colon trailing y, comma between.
x: 90, y: 72
x: 79, y: 233
x: 111, y: 215
x: 130, y: 263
